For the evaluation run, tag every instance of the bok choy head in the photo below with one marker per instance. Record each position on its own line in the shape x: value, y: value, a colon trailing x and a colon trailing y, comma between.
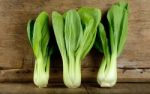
x: 112, y: 43
x: 39, y: 38
x: 75, y: 33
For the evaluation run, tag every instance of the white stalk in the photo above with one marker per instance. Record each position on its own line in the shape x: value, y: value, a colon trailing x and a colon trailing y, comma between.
x: 72, y: 77
x: 107, y: 74
x: 41, y: 72
x: 77, y: 80
x: 101, y: 72
x: 71, y: 67
x: 66, y: 76
x: 111, y: 72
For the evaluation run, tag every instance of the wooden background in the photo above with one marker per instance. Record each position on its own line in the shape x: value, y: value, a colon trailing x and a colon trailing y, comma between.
x: 17, y: 60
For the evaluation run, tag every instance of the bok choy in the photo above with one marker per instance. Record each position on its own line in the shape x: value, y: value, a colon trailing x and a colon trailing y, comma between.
x: 39, y: 37
x: 112, y: 43
x: 75, y: 33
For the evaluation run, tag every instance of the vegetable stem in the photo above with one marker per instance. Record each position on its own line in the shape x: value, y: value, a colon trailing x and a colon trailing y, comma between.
x: 40, y: 74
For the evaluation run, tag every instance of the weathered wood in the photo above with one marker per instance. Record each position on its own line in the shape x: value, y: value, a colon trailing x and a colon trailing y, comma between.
x: 120, y: 88
x: 16, y: 54
x: 88, y: 75
x: 29, y: 88
x: 86, y: 88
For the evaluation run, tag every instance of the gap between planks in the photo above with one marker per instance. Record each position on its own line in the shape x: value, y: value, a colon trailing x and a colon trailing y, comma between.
x: 88, y: 75
x: 86, y: 88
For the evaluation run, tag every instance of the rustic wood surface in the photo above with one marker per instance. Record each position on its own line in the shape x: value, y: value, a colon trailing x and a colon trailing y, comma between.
x: 17, y: 60
x: 86, y: 88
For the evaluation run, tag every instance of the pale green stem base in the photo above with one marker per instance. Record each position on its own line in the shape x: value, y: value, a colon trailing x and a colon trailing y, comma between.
x: 41, y: 72
x: 72, y: 77
x: 107, y: 74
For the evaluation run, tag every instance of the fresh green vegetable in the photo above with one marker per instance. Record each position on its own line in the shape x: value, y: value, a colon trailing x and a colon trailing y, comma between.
x: 75, y: 33
x: 39, y: 37
x: 112, y: 43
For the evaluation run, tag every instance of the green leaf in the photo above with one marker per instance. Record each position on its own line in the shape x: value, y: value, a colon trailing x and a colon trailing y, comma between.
x: 58, y: 26
x: 30, y: 27
x: 104, y: 40
x: 39, y: 26
x: 73, y: 31
x: 116, y: 16
x: 90, y: 18
x: 124, y: 29
x: 114, y: 20
x: 45, y: 39
x: 98, y: 42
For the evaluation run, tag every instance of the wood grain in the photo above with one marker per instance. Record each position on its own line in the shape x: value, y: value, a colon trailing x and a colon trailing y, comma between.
x: 16, y: 57
x: 88, y: 75
x: 86, y: 88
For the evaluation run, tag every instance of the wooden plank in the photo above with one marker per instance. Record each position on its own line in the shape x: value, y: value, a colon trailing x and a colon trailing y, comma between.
x: 14, y: 16
x: 30, y: 88
x: 15, y: 50
x: 86, y: 88
x: 88, y: 75
x: 16, y: 54
x: 120, y: 88
x: 25, y: 5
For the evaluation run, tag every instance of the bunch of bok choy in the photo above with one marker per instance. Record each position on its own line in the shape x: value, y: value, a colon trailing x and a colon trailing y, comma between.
x: 75, y: 33
x: 112, y: 43
x: 39, y: 38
